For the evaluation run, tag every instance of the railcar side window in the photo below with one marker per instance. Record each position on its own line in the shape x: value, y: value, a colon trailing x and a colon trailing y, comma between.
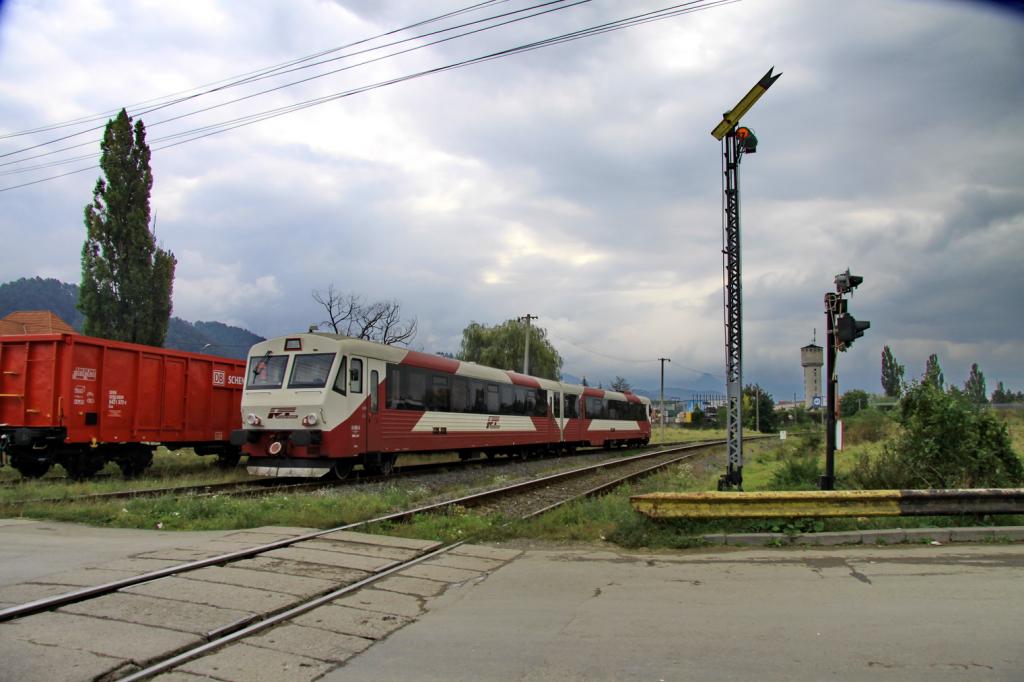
x: 477, y: 397
x: 267, y: 372
x: 341, y: 379
x: 355, y: 383
x: 571, y: 406
x: 493, y: 399
x: 508, y: 399
x: 437, y: 399
x: 374, y: 382
x: 310, y: 371
x: 460, y: 395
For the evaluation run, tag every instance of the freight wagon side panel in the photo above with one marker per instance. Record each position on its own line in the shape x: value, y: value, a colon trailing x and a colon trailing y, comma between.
x: 197, y: 415
x: 173, y: 422
x: 28, y: 392
x: 225, y: 407
x: 148, y: 414
x: 119, y: 397
x: 82, y: 361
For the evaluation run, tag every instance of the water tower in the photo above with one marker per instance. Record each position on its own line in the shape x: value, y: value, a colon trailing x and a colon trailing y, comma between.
x: 812, y: 358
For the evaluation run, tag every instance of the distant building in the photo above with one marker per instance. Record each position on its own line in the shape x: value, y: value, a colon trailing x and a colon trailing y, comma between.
x: 34, y: 322
x: 812, y: 357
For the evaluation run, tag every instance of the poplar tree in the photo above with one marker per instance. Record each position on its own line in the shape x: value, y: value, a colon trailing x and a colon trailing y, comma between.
x: 892, y: 374
x: 974, y: 387
x: 933, y: 372
x: 126, y: 279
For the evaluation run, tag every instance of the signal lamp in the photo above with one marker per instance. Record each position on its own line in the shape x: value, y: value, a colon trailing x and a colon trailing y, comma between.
x: 309, y: 420
x: 747, y: 139
x: 252, y: 420
x: 848, y: 329
x: 845, y: 282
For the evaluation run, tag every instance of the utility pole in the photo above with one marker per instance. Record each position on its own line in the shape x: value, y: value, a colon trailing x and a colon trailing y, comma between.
x: 757, y: 407
x: 735, y: 142
x: 662, y: 413
x: 526, y: 354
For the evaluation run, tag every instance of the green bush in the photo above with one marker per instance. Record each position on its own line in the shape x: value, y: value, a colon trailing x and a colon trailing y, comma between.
x: 944, y: 442
x: 867, y: 426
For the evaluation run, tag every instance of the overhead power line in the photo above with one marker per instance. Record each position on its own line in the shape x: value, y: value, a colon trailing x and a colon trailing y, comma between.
x: 201, y: 132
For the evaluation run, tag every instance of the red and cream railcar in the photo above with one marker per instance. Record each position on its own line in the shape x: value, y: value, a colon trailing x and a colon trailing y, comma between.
x: 316, y: 403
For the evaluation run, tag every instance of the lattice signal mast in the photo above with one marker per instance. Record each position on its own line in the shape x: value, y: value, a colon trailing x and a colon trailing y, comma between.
x: 735, y: 142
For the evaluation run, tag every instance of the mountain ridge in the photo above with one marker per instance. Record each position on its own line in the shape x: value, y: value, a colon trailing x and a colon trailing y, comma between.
x: 212, y: 337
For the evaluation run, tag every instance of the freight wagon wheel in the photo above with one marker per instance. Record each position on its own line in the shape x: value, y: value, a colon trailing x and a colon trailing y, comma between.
x: 135, y: 462
x: 342, y: 468
x: 30, y: 468
x: 81, y: 465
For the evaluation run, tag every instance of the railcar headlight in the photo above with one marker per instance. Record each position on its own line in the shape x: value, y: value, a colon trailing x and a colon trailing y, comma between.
x: 309, y: 420
x: 252, y: 420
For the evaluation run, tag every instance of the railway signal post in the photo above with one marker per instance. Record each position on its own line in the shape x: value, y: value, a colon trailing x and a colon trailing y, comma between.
x: 661, y: 412
x: 735, y: 142
x: 843, y: 329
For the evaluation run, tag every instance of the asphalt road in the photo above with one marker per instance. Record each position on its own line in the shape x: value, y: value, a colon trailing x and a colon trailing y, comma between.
x: 906, y: 612
x: 900, y: 612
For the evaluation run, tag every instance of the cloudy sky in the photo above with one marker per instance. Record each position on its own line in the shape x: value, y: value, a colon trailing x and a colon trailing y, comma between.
x: 578, y: 182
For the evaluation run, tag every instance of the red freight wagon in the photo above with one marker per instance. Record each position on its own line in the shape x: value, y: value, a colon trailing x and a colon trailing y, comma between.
x: 81, y: 402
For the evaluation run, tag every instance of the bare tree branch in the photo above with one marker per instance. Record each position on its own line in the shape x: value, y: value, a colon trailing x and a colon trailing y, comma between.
x: 379, y: 321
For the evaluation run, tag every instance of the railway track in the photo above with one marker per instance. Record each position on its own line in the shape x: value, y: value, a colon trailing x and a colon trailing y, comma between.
x: 255, y: 487
x: 519, y: 500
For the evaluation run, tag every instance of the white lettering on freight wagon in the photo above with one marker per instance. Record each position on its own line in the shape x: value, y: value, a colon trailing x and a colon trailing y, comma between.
x: 218, y: 377
x: 235, y: 380
x: 115, y: 399
x: 84, y: 373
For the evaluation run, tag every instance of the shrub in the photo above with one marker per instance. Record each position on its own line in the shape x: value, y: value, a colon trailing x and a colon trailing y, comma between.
x: 944, y: 442
x: 867, y: 426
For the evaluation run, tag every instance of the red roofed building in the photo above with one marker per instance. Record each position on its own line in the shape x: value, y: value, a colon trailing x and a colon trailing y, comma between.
x: 34, y: 322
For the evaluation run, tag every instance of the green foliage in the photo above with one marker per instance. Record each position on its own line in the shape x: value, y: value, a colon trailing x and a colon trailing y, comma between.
x: 800, y: 457
x: 36, y: 293
x: 759, y: 409
x: 933, y: 372
x: 892, y: 374
x: 502, y: 346
x: 974, y: 387
x: 852, y: 402
x: 126, y: 279
x: 1002, y: 396
x: 867, y: 426
x: 944, y: 442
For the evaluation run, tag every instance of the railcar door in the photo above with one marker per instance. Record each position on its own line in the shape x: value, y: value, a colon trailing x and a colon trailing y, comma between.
x: 375, y: 388
x: 358, y: 401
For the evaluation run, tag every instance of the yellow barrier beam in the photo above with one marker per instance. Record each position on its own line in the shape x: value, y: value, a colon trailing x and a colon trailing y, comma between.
x: 822, y: 503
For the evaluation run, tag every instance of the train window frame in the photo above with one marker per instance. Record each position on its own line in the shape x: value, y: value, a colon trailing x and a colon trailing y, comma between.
x: 267, y: 361
x: 493, y: 399
x: 571, y: 406
x: 340, y: 379
x: 458, y: 395
x: 300, y: 363
x: 355, y: 374
x: 438, y: 398
x: 374, y: 390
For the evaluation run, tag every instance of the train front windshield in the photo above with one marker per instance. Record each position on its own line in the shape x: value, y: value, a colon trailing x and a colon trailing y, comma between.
x: 267, y: 371
x: 311, y: 371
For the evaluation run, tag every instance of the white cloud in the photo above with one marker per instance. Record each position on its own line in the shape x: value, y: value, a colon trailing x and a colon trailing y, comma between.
x: 578, y: 183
